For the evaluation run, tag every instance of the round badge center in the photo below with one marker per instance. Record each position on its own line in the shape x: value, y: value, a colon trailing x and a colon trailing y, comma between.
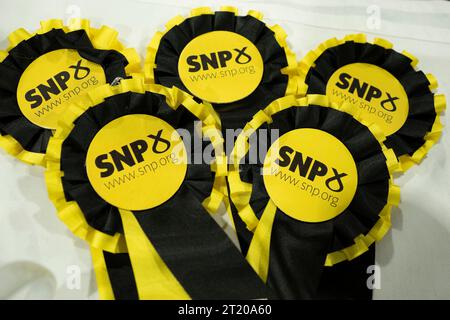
x: 136, y: 162
x: 221, y: 67
x: 373, y: 90
x: 52, y: 81
x: 310, y: 175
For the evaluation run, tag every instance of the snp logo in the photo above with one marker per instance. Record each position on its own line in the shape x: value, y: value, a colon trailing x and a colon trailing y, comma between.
x: 217, y: 60
x: 365, y: 91
x: 55, y: 85
x: 130, y: 154
x: 310, y: 168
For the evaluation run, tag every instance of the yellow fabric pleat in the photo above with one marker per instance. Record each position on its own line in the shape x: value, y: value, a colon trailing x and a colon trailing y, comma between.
x: 105, y: 291
x: 258, y: 252
x: 153, y: 278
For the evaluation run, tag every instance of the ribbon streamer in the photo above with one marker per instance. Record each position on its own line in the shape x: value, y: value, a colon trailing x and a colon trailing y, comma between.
x: 114, y: 274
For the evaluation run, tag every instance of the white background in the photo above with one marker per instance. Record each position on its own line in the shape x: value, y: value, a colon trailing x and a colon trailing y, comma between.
x: 38, y: 254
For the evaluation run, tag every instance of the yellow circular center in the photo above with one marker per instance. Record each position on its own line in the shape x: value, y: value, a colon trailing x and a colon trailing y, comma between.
x: 310, y: 175
x: 220, y: 67
x: 50, y: 82
x: 373, y: 90
x: 136, y: 162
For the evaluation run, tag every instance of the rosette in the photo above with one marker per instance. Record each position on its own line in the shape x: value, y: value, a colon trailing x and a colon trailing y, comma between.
x: 237, y: 63
x: 121, y: 177
x: 43, y: 72
x: 385, y: 85
x: 321, y: 194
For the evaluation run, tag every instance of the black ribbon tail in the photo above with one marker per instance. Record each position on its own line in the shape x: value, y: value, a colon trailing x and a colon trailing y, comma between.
x: 297, y: 256
x: 121, y: 276
x: 348, y: 279
x: 198, y: 252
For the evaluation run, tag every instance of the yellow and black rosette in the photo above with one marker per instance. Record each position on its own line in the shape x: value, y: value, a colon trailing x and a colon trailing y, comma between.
x: 123, y: 176
x: 385, y: 85
x: 320, y: 194
x: 43, y: 72
x: 235, y: 62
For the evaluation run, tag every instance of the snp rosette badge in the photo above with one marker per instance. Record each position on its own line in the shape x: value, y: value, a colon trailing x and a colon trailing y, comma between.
x: 235, y: 62
x: 43, y: 72
x: 385, y: 85
x: 321, y: 194
x: 122, y: 176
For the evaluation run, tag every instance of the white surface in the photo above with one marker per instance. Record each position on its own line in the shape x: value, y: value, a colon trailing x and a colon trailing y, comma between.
x: 38, y: 255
